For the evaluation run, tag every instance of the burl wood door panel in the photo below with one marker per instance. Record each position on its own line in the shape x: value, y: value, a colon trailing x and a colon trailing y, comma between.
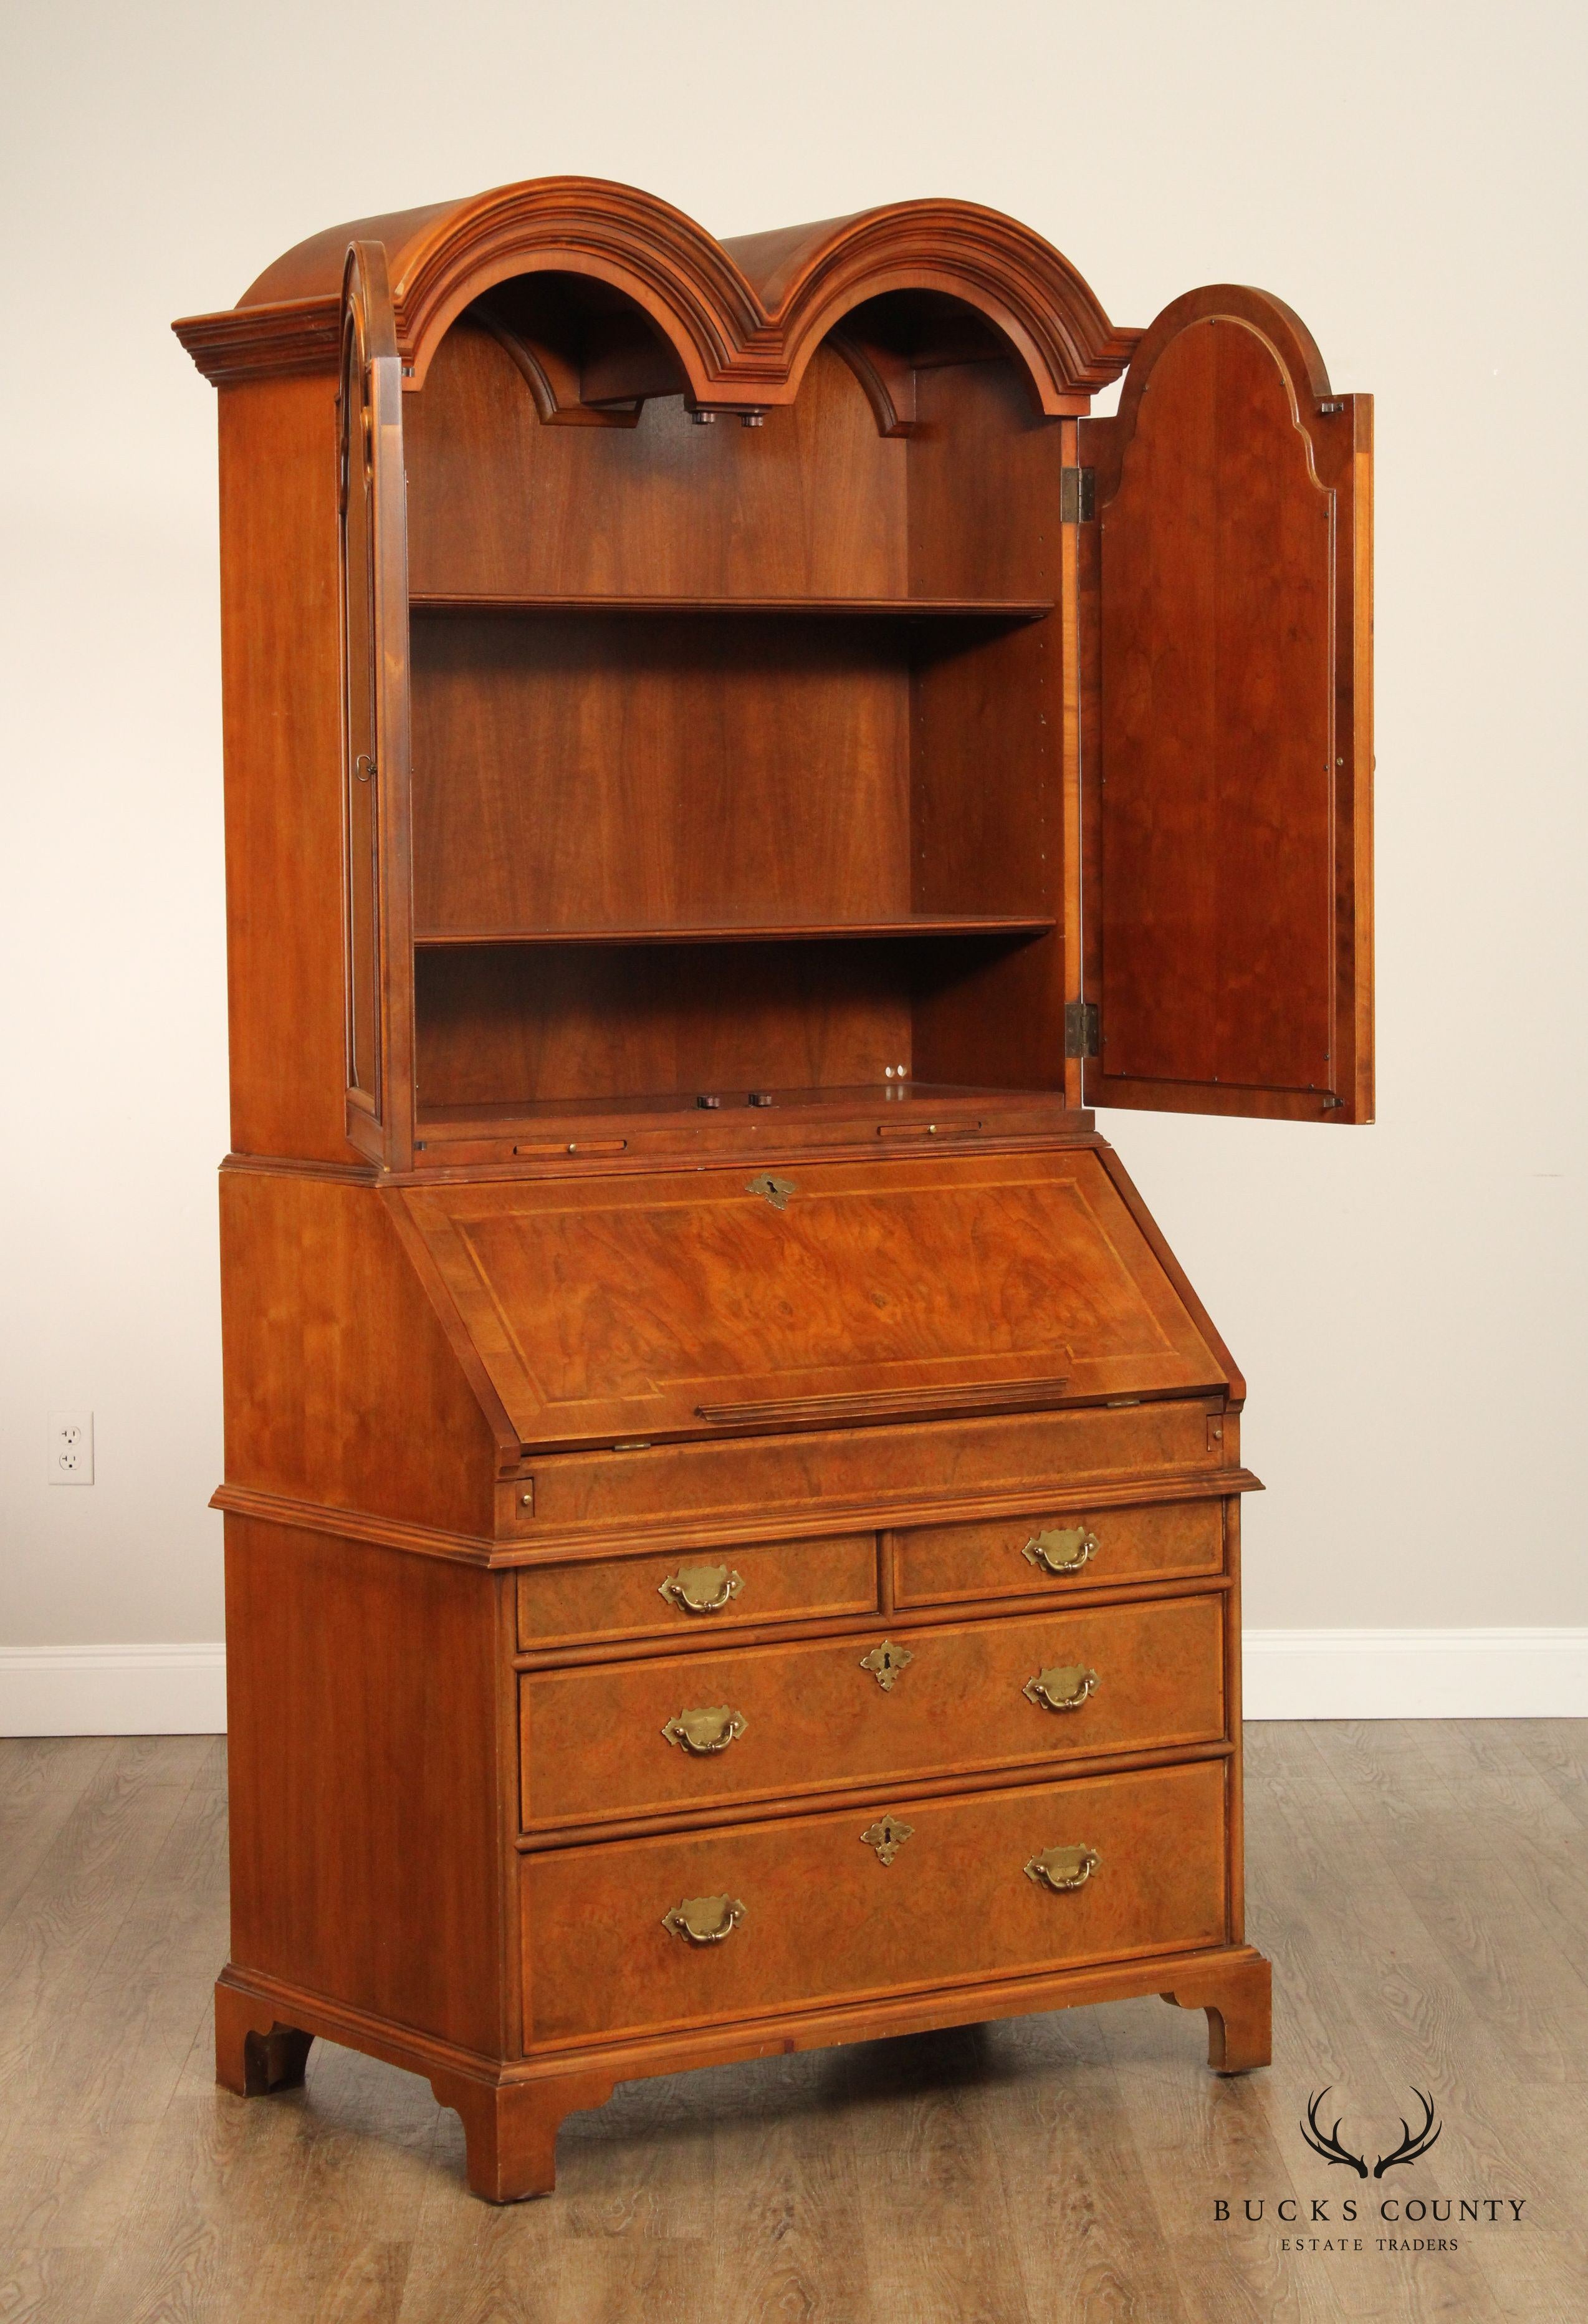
x: 1230, y: 874
x: 1055, y: 1549
x: 644, y: 1597
x: 707, y: 1301
x: 672, y: 1732
x: 824, y: 1918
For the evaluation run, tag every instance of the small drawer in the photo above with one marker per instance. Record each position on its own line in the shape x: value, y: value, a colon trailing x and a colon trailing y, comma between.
x: 676, y: 1731
x: 701, y: 1591
x: 638, y: 1935
x: 1057, y: 1549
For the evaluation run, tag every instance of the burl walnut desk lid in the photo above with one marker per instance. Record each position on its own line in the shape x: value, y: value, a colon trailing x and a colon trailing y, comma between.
x: 722, y: 1301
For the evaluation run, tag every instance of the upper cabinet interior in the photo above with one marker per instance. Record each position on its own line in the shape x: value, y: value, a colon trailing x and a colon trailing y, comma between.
x: 737, y: 733
x: 767, y: 708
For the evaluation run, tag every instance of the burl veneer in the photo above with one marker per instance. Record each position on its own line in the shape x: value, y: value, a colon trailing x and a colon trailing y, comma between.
x: 732, y: 1509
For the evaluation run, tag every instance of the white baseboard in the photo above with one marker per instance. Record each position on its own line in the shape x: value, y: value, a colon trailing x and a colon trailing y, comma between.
x: 112, y: 1690
x: 1490, y: 1674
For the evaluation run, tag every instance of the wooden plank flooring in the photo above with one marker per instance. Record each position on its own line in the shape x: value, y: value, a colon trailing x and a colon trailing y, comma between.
x: 1422, y: 1888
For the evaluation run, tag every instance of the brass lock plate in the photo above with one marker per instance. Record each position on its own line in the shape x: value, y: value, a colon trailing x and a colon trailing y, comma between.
x: 776, y: 1190
x: 885, y: 1662
x: 887, y: 1835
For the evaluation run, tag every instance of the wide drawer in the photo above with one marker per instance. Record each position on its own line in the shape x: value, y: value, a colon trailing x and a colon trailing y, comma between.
x: 1041, y: 1451
x: 692, y: 1730
x: 823, y: 1917
x: 701, y: 1591
x: 1057, y: 1547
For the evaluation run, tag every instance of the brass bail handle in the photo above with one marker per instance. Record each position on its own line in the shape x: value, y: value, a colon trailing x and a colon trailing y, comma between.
x: 704, y: 1920
x: 1060, y: 1689
x: 704, y: 1731
x: 1060, y: 1549
x: 701, y: 1588
x: 1062, y: 1869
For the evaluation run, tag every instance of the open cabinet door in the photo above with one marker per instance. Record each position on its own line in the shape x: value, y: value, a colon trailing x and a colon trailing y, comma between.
x: 1226, y: 747
x: 377, y: 908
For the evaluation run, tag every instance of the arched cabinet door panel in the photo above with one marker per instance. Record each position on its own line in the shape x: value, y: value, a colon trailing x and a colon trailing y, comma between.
x: 376, y: 908
x: 1226, y: 751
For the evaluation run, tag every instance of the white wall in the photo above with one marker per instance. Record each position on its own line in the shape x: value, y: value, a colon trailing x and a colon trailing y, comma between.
x: 1409, y: 1301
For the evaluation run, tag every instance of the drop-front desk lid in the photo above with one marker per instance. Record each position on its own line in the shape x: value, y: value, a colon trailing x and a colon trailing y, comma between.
x: 713, y: 1302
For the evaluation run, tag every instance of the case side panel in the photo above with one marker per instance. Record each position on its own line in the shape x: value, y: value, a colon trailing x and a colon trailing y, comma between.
x: 366, y: 1857
x: 282, y: 683
x: 342, y: 1385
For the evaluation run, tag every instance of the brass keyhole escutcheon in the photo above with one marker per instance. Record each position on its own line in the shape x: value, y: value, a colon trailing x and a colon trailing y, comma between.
x: 776, y: 1190
x: 1060, y: 1868
x: 701, y: 1588
x: 1060, y: 1549
x: 885, y: 1662
x: 1060, y: 1689
x: 704, y: 1920
x: 887, y: 1835
x: 701, y: 1733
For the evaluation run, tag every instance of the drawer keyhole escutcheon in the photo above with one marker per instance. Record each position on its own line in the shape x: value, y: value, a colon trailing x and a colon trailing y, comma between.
x: 1064, y: 1549
x: 885, y: 1662
x: 701, y: 1588
x: 1060, y: 1868
x: 887, y: 1835
x: 1060, y: 1689
x: 704, y: 1731
x: 704, y: 1920
x: 776, y: 1190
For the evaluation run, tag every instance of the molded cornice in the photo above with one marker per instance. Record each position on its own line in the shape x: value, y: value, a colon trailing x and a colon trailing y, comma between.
x: 745, y: 316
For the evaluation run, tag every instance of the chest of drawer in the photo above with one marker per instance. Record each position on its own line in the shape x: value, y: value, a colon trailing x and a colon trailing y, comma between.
x: 699, y: 1730
x: 1055, y: 1547
x: 709, y: 1927
x: 698, y: 1592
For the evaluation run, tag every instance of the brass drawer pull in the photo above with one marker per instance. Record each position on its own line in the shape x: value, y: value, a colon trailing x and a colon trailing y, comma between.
x: 1060, y: 1689
x: 885, y: 1662
x: 704, y: 1920
x: 701, y: 1731
x: 1060, y: 1868
x: 1060, y: 1549
x: 701, y: 1588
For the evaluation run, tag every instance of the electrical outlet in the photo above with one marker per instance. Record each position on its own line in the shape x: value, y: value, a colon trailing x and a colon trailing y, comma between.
x: 71, y: 1448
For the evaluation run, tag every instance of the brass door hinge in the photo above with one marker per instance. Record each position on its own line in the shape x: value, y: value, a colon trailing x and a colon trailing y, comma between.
x: 1083, y: 1032
x: 1078, y: 495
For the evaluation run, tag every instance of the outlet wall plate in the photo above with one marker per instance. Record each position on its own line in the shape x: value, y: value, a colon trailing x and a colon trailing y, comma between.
x: 71, y: 1448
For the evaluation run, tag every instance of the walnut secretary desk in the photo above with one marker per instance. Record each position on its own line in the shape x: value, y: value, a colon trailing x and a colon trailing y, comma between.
x: 731, y: 1506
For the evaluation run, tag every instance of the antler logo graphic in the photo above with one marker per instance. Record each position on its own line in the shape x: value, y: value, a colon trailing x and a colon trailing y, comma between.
x: 1326, y: 2143
x: 1413, y: 2143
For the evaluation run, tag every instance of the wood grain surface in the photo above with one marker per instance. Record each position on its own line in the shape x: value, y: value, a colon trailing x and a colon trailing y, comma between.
x: 1033, y: 2171
x: 619, y: 1307
x: 1234, y: 619
x: 815, y: 1719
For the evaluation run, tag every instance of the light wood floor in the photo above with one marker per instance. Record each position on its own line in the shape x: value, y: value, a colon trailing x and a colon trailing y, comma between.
x: 1423, y: 1889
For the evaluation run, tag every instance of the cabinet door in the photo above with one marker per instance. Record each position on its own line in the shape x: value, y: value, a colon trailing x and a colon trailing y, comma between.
x: 1227, y: 743
x: 376, y: 910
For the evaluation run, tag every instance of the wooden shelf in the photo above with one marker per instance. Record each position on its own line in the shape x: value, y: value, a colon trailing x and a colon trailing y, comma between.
x: 958, y: 609
x: 921, y: 924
